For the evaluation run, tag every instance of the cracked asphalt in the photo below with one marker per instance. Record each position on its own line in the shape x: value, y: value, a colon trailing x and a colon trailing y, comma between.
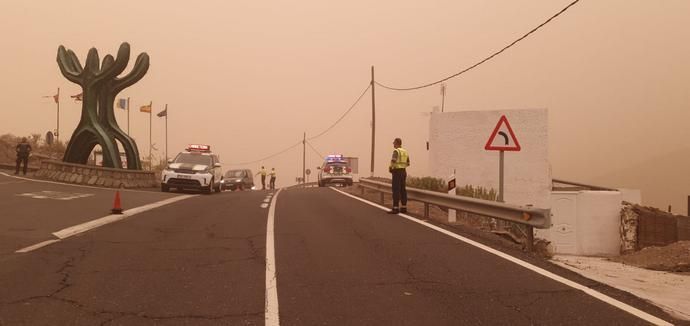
x: 202, y: 261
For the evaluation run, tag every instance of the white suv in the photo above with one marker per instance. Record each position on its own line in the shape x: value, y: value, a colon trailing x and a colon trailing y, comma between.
x: 335, y: 170
x: 196, y: 168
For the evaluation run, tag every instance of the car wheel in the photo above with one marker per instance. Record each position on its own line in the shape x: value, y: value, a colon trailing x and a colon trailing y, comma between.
x: 165, y: 188
x: 209, y: 189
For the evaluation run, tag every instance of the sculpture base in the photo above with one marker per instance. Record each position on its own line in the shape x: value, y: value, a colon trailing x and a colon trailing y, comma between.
x: 90, y: 175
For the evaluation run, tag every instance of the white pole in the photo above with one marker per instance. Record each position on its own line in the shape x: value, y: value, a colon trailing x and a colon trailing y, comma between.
x: 452, y: 214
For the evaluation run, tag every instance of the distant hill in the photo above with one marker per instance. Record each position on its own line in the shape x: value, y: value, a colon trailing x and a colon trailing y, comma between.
x: 664, y: 180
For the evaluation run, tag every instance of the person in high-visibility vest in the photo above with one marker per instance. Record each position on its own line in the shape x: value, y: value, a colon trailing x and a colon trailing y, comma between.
x: 399, y: 162
x: 273, y: 178
x: 263, y: 177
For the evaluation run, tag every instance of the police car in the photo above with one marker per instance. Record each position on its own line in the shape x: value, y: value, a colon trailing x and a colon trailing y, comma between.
x: 195, y: 168
x: 335, y: 170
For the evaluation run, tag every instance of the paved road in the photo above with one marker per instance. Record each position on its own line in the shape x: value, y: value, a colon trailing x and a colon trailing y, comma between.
x: 202, y: 261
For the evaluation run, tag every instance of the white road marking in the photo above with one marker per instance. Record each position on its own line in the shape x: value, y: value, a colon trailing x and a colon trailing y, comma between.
x: 264, y: 205
x: 271, y: 316
x: 11, y: 182
x: 70, y: 231
x: 46, y: 194
x: 68, y: 184
x: 36, y: 246
x: 267, y: 200
x: 620, y: 305
x: 90, y: 225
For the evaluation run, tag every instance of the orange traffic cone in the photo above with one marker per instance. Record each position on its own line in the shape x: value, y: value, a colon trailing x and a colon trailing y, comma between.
x: 117, y: 208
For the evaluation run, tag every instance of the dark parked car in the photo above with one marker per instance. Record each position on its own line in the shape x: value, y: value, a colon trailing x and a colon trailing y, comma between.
x: 241, y: 179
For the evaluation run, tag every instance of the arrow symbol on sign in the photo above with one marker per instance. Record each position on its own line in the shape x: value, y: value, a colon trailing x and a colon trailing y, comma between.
x: 505, y: 136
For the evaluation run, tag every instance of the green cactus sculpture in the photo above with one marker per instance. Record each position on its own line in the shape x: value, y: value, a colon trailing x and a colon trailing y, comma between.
x: 100, y: 86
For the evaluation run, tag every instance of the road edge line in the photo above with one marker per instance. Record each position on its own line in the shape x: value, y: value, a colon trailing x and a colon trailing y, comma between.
x: 70, y: 184
x: 593, y: 293
x: 271, y: 312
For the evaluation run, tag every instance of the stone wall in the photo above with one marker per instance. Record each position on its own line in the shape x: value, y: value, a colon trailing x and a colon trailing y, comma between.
x: 96, y: 176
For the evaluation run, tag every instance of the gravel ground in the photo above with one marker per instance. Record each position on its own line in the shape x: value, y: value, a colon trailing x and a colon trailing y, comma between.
x: 672, y: 258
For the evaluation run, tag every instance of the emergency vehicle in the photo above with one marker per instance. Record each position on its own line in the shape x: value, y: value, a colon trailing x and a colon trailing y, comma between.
x: 335, y: 170
x: 195, y: 168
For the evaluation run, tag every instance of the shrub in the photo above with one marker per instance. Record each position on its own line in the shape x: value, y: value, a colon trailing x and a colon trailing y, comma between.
x: 427, y: 183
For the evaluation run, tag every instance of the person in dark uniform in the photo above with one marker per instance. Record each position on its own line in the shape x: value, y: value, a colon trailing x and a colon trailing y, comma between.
x: 23, y: 152
x: 399, y: 162
x: 263, y: 177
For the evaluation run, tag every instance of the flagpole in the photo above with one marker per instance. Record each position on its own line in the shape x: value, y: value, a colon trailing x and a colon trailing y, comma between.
x: 166, y: 132
x: 150, y: 136
x: 128, y: 116
x: 57, y: 137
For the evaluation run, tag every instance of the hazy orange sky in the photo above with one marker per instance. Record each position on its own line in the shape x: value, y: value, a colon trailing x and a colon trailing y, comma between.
x: 249, y: 77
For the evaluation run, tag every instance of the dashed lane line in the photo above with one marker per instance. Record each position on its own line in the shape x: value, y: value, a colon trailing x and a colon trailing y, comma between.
x: 90, y: 225
x: 620, y: 305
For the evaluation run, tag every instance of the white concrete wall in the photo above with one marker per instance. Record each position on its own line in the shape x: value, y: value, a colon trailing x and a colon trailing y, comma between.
x: 457, y: 139
x: 588, y: 223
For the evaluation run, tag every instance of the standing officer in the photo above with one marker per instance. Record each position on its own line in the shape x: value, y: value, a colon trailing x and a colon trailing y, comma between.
x: 399, y: 162
x: 23, y: 152
x: 263, y: 177
x: 273, y: 178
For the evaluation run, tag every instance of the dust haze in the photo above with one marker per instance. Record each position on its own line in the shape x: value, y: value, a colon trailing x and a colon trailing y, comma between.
x: 250, y: 77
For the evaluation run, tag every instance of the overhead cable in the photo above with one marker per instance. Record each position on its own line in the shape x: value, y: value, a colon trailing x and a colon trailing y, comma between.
x: 342, y: 116
x: 315, y: 150
x: 270, y: 156
x: 485, y: 59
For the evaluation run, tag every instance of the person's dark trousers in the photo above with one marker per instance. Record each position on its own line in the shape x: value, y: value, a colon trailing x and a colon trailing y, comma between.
x: 399, y: 190
x: 263, y: 182
x: 20, y: 160
x: 273, y: 183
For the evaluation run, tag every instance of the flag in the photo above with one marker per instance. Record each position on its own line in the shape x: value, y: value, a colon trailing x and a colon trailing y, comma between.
x: 77, y: 97
x: 163, y: 113
x: 122, y: 103
x: 55, y: 97
x: 145, y: 108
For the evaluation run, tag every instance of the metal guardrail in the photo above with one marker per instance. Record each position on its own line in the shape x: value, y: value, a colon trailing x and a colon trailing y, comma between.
x: 528, y: 216
x: 302, y: 185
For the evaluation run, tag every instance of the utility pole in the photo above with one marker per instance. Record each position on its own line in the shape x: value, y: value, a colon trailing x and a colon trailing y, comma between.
x: 57, y: 131
x: 166, y: 133
x: 304, y: 158
x: 128, y: 116
x: 443, y: 96
x: 373, y: 119
x: 150, y: 136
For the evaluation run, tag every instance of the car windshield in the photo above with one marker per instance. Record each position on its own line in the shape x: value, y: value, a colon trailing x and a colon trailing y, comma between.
x: 234, y: 174
x: 193, y: 158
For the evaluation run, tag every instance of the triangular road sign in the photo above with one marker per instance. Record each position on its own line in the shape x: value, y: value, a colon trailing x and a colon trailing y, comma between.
x: 506, y: 140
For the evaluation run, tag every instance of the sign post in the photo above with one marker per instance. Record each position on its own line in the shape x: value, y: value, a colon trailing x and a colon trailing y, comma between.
x: 452, y: 214
x: 507, y: 142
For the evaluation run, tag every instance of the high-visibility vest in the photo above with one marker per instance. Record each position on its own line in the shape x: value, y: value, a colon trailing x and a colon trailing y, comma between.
x: 263, y: 172
x: 403, y: 159
x: 273, y: 174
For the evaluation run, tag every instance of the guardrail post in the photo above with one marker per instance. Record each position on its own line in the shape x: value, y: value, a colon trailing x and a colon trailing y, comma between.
x: 362, y: 189
x: 426, y: 210
x: 530, y: 238
x: 382, y: 198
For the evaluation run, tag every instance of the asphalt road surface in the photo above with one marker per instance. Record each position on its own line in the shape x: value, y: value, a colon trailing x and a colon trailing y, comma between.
x: 189, y: 259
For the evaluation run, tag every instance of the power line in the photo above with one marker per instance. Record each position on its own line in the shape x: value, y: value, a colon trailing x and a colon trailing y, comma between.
x: 485, y: 59
x: 342, y: 116
x: 270, y: 156
x: 315, y: 150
